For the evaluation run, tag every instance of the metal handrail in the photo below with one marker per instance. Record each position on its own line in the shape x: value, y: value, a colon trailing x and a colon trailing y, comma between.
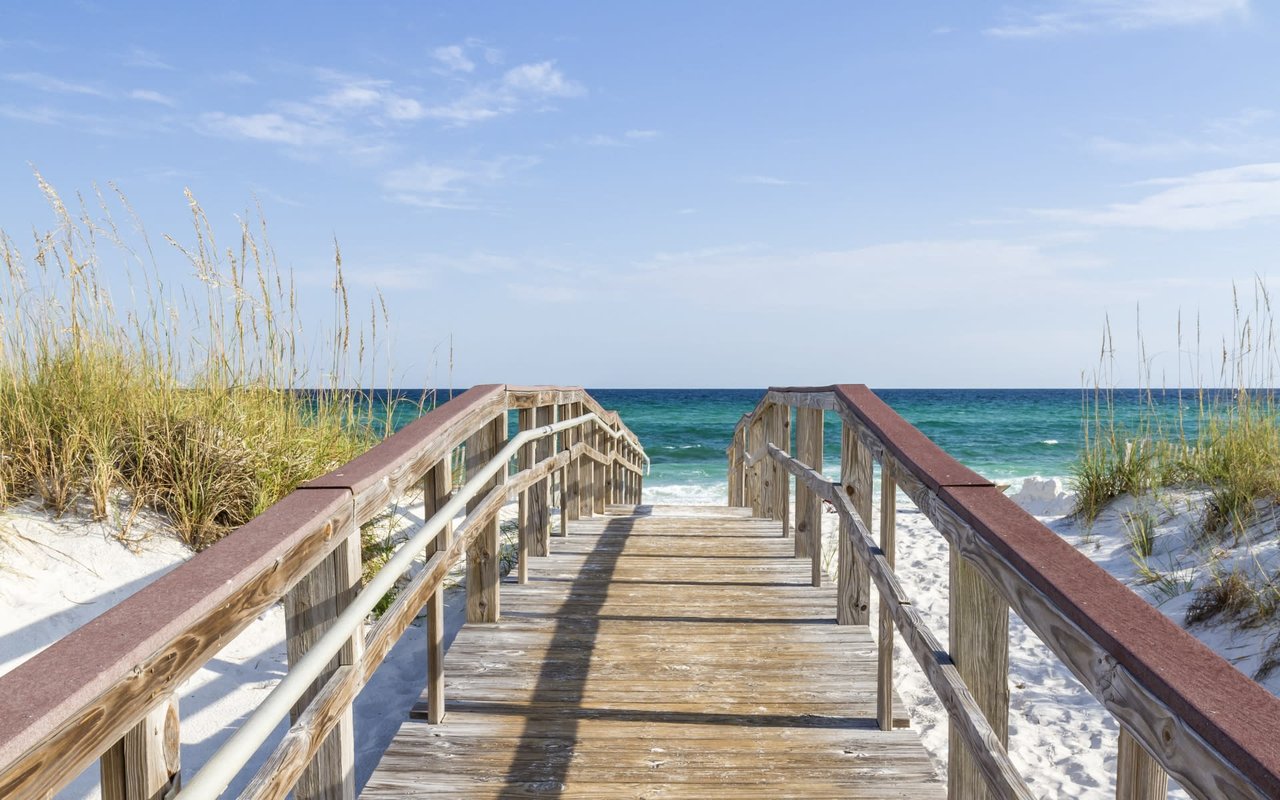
x: 210, y: 781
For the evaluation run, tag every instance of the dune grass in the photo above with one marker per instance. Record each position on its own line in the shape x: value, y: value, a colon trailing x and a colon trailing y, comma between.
x: 1225, y: 437
x: 1222, y: 439
x: 200, y: 394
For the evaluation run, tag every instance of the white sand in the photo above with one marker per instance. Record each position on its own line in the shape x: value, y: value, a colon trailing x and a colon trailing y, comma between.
x: 1060, y: 738
x: 55, y: 575
x: 58, y: 574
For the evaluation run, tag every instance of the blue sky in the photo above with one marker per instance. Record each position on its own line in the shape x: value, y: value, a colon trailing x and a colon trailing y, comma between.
x: 692, y: 194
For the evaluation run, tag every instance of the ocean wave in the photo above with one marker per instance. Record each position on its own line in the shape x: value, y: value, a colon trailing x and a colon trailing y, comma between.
x: 1049, y: 442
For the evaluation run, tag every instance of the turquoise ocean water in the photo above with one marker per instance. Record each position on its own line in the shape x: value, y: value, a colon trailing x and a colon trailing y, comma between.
x: 1004, y: 434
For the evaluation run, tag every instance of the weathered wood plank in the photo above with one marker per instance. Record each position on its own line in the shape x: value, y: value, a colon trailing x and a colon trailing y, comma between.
x: 593, y: 687
x: 808, y: 507
x: 483, y: 565
x: 436, y: 490
x: 855, y: 480
x: 1138, y: 775
x: 888, y: 544
x: 979, y: 645
x: 146, y: 763
x: 311, y: 607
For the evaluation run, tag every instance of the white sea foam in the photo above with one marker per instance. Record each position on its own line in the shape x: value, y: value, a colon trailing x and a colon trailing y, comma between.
x: 1049, y: 441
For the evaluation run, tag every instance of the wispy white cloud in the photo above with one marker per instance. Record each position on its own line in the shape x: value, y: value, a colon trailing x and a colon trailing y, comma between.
x: 145, y: 59
x: 1085, y: 16
x: 449, y: 185
x: 150, y: 96
x: 453, y: 58
x: 234, y: 77
x: 767, y: 180
x: 1243, y: 135
x: 730, y: 276
x: 627, y: 138
x: 47, y: 83
x: 269, y: 127
x: 361, y: 114
x: 521, y: 87
x: 1203, y: 201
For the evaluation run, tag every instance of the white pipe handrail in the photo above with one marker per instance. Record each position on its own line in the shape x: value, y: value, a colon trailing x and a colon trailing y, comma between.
x: 211, y: 779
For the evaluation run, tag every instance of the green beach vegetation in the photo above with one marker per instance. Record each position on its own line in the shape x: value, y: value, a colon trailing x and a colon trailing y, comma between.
x: 129, y: 383
x: 1220, y: 441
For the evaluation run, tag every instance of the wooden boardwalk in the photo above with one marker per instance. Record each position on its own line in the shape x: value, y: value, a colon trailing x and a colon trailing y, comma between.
x: 660, y: 652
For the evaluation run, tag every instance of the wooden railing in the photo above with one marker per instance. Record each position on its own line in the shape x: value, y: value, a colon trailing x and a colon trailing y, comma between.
x: 1182, y: 709
x: 106, y: 691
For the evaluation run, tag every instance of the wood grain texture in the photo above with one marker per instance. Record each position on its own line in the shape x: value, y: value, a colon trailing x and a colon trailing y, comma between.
x: 436, y: 490
x: 1138, y: 775
x: 311, y: 607
x: 855, y: 482
x: 979, y: 644
x: 808, y: 506
x: 483, y: 565
x: 540, y: 492
x: 146, y: 763
x: 884, y: 644
x: 603, y: 682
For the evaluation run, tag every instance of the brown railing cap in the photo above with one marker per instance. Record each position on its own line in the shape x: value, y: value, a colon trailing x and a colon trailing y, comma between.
x: 39, y: 695
x: 372, y: 465
x: 927, y: 461
x: 1235, y: 715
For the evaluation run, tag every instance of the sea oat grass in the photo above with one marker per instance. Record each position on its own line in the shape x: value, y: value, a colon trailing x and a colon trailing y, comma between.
x: 196, y: 398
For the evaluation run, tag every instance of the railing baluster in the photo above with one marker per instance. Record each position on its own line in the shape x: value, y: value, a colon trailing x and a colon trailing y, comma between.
x: 884, y: 662
x: 809, y: 422
x: 483, y: 564
x: 854, y: 593
x: 599, y: 480
x: 524, y: 520
x: 979, y: 645
x: 1138, y: 775
x: 573, y: 480
x: 563, y: 411
x: 310, y: 608
x: 755, y: 472
x: 146, y: 762
x: 540, y: 492
x: 436, y: 489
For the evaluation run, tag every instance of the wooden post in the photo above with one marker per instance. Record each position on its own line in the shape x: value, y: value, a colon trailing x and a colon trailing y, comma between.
x: 571, y: 480
x: 524, y: 521
x: 768, y: 474
x: 808, y: 507
x: 436, y: 490
x: 776, y: 483
x: 754, y: 483
x: 610, y: 469
x: 483, y: 563
x: 783, y: 502
x: 600, y: 442
x: 587, y: 475
x: 979, y: 647
x: 562, y: 444
x: 310, y: 608
x: 856, y: 470
x: 888, y: 543
x: 540, y: 492
x: 146, y: 762
x: 1138, y: 775
x: 737, y: 478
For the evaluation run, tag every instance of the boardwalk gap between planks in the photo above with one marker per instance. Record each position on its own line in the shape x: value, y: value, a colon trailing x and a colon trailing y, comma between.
x: 661, y: 652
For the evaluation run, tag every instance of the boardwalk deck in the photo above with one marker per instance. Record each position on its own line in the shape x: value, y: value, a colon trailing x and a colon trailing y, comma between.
x: 661, y: 652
